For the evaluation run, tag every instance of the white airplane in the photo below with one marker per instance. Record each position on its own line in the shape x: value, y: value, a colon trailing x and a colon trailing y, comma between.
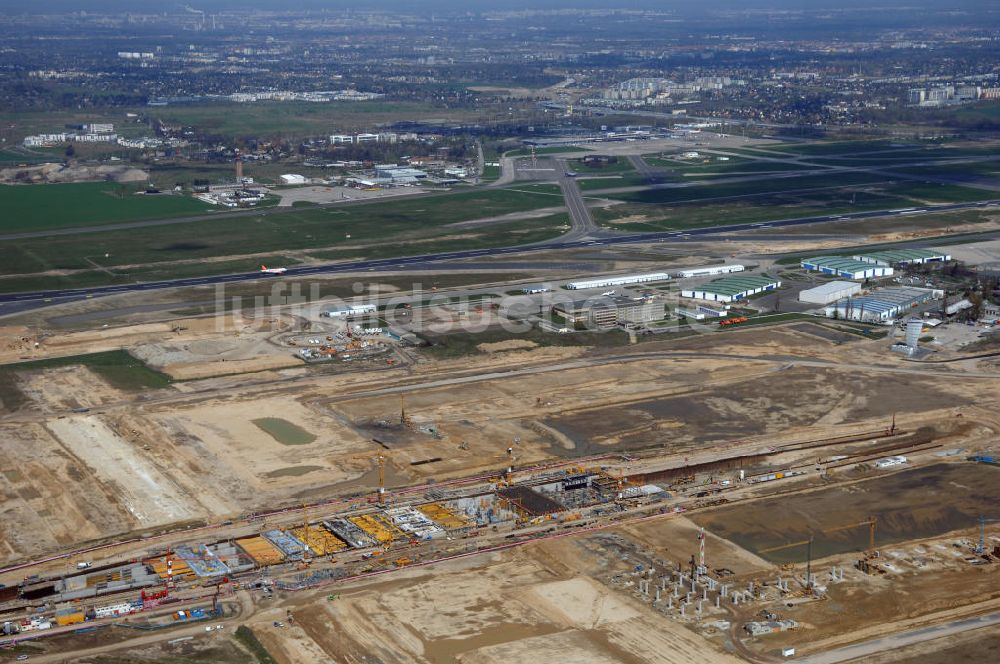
x: 608, y: 293
x: 273, y: 270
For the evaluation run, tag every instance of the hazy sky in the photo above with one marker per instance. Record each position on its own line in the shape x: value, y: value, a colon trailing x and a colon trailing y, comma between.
x: 49, y: 6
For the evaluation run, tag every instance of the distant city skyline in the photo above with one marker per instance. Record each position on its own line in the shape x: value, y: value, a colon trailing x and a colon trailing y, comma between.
x: 685, y: 6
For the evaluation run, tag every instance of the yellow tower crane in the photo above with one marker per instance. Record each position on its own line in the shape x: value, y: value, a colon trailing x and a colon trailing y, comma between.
x: 870, y: 522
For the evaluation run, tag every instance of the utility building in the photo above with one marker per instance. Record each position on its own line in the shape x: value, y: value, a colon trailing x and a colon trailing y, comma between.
x: 847, y: 268
x: 829, y: 292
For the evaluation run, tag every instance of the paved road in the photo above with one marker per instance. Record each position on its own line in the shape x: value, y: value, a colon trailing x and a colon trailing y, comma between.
x: 430, y: 259
x: 868, y: 648
x: 653, y: 175
x: 579, y: 213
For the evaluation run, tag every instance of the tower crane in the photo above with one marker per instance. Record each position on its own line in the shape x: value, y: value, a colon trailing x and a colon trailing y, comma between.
x: 381, y: 477
x: 808, y: 543
x: 981, y: 547
x: 306, y: 532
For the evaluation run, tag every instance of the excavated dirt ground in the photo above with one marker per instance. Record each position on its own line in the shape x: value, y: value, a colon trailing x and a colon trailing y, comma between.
x: 534, y: 604
x: 190, y: 451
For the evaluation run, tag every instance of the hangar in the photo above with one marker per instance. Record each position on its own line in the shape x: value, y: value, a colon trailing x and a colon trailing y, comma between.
x: 731, y: 289
x: 846, y: 268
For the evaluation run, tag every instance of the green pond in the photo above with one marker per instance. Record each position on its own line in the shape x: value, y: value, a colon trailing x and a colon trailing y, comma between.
x: 284, y: 431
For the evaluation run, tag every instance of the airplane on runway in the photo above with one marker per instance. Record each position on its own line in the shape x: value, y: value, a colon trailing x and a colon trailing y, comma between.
x: 273, y: 270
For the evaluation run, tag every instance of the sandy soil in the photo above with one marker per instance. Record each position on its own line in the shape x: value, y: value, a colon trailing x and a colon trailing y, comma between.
x: 510, y: 344
x: 58, y: 172
x: 146, y: 493
x: 677, y: 540
x: 191, y: 451
x: 518, y: 606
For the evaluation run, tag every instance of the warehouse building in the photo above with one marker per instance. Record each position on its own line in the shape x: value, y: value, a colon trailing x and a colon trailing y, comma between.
x: 731, y: 289
x: 623, y: 280
x: 710, y: 271
x: 829, y: 292
x: 903, y: 257
x: 846, y: 268
x: 292, y: 178
x: 882, y: 305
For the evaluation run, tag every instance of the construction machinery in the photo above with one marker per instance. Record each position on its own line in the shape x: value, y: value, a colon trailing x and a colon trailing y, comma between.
x: 404, y: 421
x: 981, y: 546
x: 808, y: 544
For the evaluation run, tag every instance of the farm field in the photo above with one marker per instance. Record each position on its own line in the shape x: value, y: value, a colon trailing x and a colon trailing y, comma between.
x: 48, y: 206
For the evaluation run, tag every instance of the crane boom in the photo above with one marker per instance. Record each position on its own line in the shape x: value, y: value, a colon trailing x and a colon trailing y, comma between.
x: 870, y: 522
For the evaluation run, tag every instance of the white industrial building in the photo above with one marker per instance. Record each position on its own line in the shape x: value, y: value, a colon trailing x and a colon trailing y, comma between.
x: 829, y: 292
x: 956, y: 307
x: 883, y: 305
x: 846, y: 268
x: 889, y: 462
x: 93, y: 138
x: 292, y: 178
x: 348, y: 311
x: 904, y: 257
x: 392, y: 174
x: 623, y: 280
x: 42, y: 140
x: 710, y: 271
x: 732, y: 289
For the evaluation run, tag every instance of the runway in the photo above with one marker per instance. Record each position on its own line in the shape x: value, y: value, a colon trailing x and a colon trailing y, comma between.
x: 431, y: 259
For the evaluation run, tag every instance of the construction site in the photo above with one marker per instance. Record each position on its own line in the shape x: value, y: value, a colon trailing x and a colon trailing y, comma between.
x: 644, y: 503
x: 394, y: 477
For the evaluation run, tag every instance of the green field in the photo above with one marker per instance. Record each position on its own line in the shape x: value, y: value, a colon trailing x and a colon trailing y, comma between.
x: 414, y: 225
x: 620, y: 166
x: 611, y: 182
x: 47, y: 206
x: 712, y: 165
x: 9, y: 158
x: 503, y: 234
x: 834, y: 147
x: 774, y: 207
x: 119, y: 368
x: 972, y: 170
x: 294, y: 119
x: 461, y: 344
x: 754, y: 188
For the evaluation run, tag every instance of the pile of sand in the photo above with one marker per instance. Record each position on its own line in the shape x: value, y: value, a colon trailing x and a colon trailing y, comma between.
x: 51, y: 173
